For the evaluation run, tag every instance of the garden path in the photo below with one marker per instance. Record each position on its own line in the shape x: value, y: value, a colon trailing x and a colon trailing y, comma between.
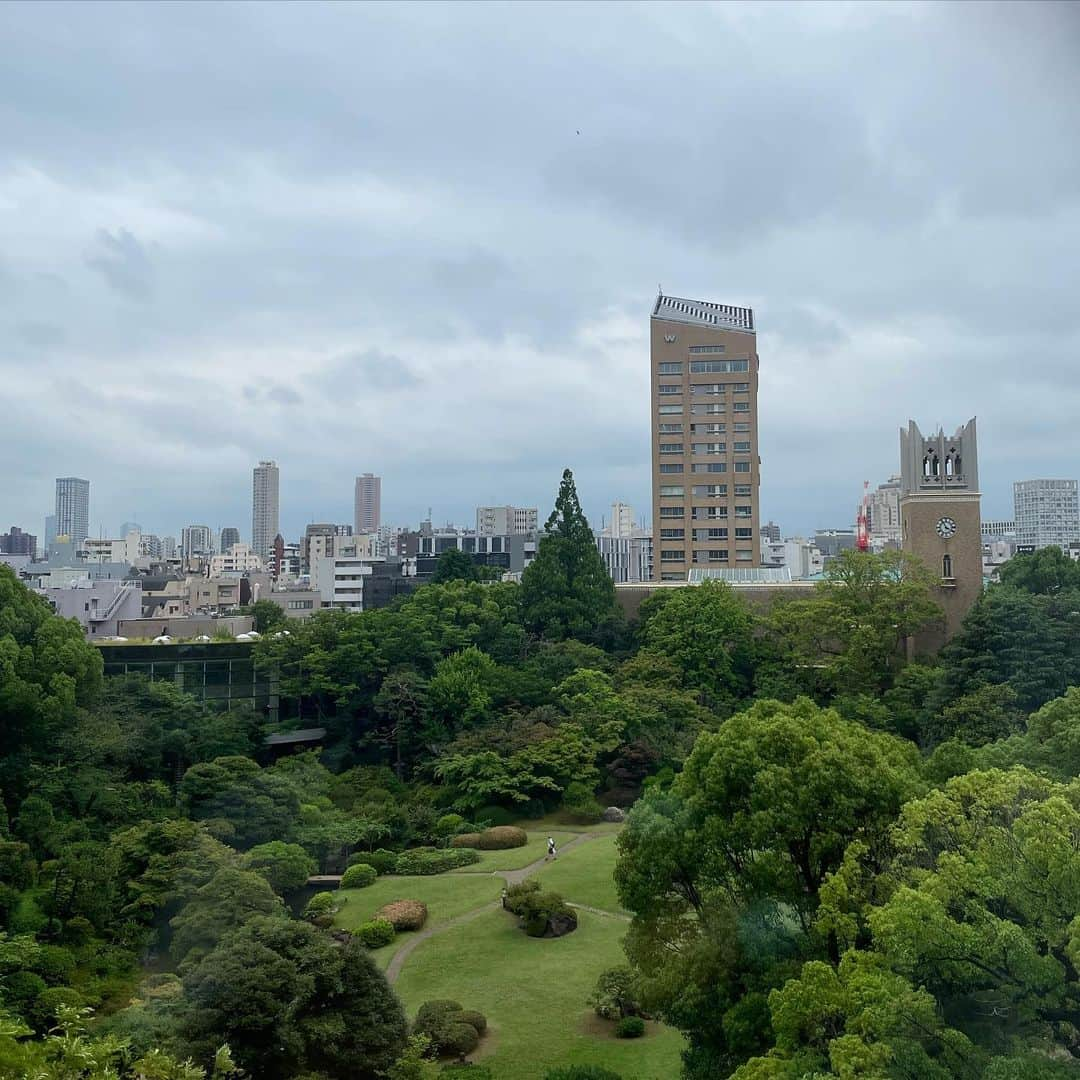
x: 511, y: 877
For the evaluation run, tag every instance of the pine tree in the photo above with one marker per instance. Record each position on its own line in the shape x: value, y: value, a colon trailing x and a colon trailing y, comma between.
x: 567, y: 592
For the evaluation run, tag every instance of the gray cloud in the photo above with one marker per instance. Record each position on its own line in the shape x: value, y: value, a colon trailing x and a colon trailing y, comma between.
x: 370, y: 238
x: 123, y: 262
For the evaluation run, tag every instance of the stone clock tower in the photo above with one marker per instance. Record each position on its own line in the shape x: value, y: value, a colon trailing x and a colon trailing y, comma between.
x: 939, y: 517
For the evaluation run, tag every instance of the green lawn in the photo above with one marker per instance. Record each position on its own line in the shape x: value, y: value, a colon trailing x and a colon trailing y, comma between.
x: 516, y: 858
x: 446, y: 895
x: 534, y: 993
x: 560, y: 819
x: 584, y: 874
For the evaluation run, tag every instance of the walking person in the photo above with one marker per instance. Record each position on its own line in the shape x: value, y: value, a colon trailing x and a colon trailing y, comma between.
x: 552, y: 853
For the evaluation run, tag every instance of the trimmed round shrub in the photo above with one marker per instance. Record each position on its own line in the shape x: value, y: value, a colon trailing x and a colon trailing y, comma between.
x: 54, y: 964
x: 450, y: 1028
x: 46, y: 1007
x: 78, y: 930
x: 434, y: 860
x: 476, y: 1019
x: 359, y: 876
x: 375, y: 934
x: 502, y: 837
x: 630, y: 1027
x: 494, y: 815
x: 21, y: 989
x: 322, y: 903
x: 465, y: 840
x: 323, y: 922
x: 449, y: 825
x: 459, y: 1039
x: 381, y: 859
x: 404, y: 914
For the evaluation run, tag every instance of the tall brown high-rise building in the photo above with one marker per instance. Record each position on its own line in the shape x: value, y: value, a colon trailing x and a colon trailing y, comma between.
x: 704, y: 437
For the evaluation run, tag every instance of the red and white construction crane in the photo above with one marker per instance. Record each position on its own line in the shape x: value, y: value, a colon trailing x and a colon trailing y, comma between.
x: 862, y: 520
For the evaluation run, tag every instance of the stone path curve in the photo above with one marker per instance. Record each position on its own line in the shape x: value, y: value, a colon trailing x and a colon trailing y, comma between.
x: 511, y: 877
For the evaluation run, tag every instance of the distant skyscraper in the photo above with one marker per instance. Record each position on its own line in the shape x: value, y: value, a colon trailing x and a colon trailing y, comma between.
x: 1046, y: 512
x: 704, y: 375
x: 50, y: 532
x: 73, y: 508
x: 885, y: 512
x: 367, y: 499
x: 130, y: 527
x: 168, y: 547
x: 771, y: 532
x: 195, y: 540
x: 229, y: 536
x: 622, y: 520
x: 264, y: 509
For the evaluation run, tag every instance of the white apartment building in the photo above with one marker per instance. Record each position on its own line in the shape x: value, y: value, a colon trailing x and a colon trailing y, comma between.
x: 799, y: 555
x: 195, y: 540
x: 338, y: 578
x: 112, y: 551
x: 505, y: 520
x: 1046, y: 512
x: 884, y: 508
x: 239, y: 559
x: 622, y: 520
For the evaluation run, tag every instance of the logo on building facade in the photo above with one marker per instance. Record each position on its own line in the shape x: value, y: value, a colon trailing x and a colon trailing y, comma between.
x: 669, y: 338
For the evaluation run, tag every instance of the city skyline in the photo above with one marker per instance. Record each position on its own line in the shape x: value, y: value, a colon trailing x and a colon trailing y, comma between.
x: 455, y: 277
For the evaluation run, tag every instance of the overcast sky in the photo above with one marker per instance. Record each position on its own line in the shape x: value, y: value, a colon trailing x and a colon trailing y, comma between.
x: 424, y: 241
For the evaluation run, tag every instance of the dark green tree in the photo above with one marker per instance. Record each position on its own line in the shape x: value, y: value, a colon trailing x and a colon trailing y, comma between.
x: 566, y: 592
x: 455, y: 565
x: 708, y: 634
x: 1045, y: 572
x: 287, y: 999
x: 285, y: 866
x: 267, y: 615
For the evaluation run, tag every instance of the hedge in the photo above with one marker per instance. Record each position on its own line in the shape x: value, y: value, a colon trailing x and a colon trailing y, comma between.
x: 376, y: 933
x: 359, y: 876
x: 451, y: 1029
x: 498, y: 838
x: 404, y: 914
x: 381, y: 859
x: 434, y: 860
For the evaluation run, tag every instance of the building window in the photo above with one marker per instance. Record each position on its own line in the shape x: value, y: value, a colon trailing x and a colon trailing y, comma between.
x: 699, y: 350
x: 702, y: 535
x: 707, y: 388
x: 709, y: 513
x: 742, y: 427
x: 670, y: 410
x: 708, y: 467
x: 743, y: 556
x: 741, y: 406
x: 741, y: 387
x: 670, y: 388
x: 707, y: 429
x: 671, y: 448
x: 672, y: 534
x: 708, y: 448
x: 707, y: 410
x: 742, y: 447
x: 718, y: 367
x: 742, y: 466
x: 744, y: 511
x: 744, y: 534
x: 946, y: 567
x: 670, y: 489
x: 742, y: 489
x: 711, y: 555
x: 672, y: 511
x: 711, y: 491
x: 670, y: 369
x: 671, y: 466
x: 672, y: 554
x: 671, y: 429
x: 671, y: 577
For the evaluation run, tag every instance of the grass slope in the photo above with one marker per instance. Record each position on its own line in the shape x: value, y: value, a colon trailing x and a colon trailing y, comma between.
x: 446, y: 895
x: 516, y: 858
x: 584, y: 874
x: 534, y: 993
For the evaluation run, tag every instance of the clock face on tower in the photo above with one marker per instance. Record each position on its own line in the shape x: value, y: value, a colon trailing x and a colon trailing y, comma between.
x: 946, y: 528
